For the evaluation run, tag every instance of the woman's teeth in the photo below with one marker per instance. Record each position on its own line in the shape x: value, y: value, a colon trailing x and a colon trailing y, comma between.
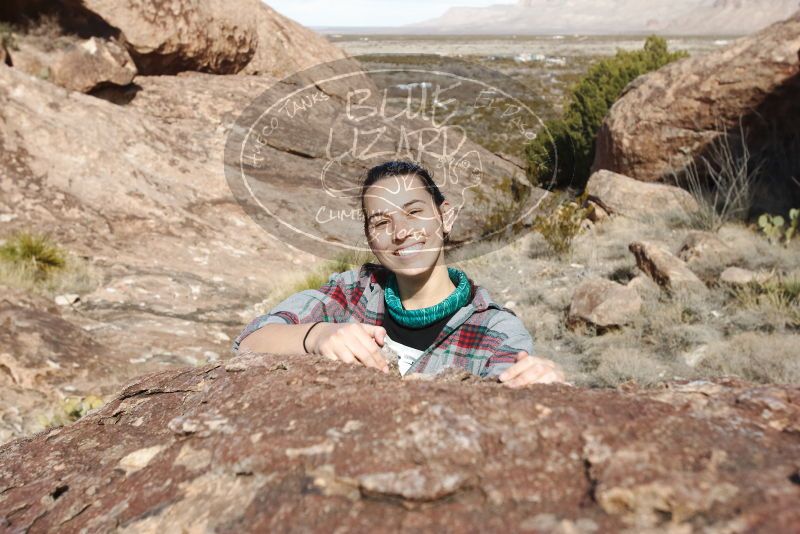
x: 408, y: 251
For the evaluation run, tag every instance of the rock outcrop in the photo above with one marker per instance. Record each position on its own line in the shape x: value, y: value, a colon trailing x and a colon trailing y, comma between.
x: 619, y: 194
x: 264, y: 443
x: 213, y: 36
x: 44, y: 359
x: 80, y: 65
x: 677, y: 115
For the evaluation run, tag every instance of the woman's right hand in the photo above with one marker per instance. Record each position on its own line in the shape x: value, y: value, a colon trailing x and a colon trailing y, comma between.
x: 350, y: 343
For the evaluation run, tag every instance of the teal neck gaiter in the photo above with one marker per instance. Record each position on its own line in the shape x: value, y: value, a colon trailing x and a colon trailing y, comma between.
x: 425, y: 316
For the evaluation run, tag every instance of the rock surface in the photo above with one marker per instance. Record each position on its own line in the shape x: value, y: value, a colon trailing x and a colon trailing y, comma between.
x: 171, y: 36
x: 707, y: 255
x: 82, y: 65
x: 737, y: 276
x: 665, y: 269
x: 43, y: 359
x: 671, y: 117
x: 603, y: 303
x: 263, y: 443
x: 619, y: 194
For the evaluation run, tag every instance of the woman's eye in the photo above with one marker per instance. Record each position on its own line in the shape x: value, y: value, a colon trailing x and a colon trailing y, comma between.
x: 412, y: 212
x: 382, y: 223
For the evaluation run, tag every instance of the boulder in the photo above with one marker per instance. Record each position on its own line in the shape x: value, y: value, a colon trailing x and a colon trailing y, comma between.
x: 267, y: 443
x: 665, y: 269
x: 737, y: 276
x: 643, y: 285
x: 285, y: 47
x: 706, y: 254
x: 213, y: 36
x: 603, y: 303
x: 79, y: 65
x: 176, y: 35
x: 677, y: 115
x: 622, y: 195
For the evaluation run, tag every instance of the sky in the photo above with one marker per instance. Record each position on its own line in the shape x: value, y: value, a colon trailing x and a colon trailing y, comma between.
x: 371, y: 13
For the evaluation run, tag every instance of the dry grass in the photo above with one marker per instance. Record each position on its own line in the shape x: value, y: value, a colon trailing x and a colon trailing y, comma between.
x: 775, y: 303
x: 722, y: 181
x: 34, y: 263
x: 346, y: 261
x: 764, y: 358
x: 682, y: 336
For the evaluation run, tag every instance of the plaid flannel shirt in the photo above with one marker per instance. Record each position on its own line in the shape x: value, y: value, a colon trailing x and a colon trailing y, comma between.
x: 482, y: 337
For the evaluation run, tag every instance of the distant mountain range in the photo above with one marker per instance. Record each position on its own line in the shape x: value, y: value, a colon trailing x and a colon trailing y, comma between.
x: 674, y: 17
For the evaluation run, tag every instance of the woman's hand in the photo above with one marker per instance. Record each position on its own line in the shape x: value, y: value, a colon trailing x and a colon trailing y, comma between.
x: 531, y: 370
x: 350, y: 343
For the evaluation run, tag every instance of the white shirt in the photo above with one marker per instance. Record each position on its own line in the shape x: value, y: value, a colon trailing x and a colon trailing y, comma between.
x: 407, y: 355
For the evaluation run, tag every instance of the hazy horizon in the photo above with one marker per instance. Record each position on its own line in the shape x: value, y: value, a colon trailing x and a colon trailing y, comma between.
x: 369, y: 14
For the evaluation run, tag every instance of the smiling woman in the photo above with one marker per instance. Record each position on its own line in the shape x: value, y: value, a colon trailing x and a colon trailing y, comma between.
x: 432, y: 315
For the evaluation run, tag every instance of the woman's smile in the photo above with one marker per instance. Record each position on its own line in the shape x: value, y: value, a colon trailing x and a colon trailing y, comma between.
x: 409, y: 250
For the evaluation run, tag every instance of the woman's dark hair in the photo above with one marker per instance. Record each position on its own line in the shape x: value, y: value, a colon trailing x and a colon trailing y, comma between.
x: 400, y: 168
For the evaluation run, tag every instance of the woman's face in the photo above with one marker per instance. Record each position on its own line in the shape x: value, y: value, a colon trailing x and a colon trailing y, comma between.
x: 404, y: 226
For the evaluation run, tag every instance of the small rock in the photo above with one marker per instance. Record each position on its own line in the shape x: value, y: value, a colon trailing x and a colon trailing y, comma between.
x: 665, y: 269
x: 67, y: 299
x: 695, y: 356
x: 737, y: 276
x: 603, y: 303
x: 706, y: 254
x: 597, y: 213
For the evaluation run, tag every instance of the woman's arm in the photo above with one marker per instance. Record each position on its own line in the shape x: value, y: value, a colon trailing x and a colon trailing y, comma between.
x: 279, y: 339
x: 347, y: 342
x: 298, y: 311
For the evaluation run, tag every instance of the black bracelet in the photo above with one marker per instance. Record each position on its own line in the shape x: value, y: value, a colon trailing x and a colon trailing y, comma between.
x: 306, y: 336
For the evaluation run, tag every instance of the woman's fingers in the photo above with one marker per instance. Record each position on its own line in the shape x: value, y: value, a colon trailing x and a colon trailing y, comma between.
x: 353, y: 344
x: 523, y: 362
x: 532, y: 370
x: 367, y: 350
x: 378, y: 333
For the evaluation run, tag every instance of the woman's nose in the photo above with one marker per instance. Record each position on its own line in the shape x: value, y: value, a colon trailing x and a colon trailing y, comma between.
x: 400, y: 227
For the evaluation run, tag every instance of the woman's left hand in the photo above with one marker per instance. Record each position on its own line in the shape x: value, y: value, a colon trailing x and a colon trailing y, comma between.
x: 531, y: 370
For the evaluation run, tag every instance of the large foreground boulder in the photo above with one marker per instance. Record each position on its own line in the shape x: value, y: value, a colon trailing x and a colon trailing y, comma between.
x: 677, y: 115
x: 301, y: 443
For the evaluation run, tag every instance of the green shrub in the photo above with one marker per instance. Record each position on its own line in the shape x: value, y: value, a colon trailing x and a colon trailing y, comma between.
x: 70, y: 410
x: 566, y: 148
x: 33, y: 252
x: 773, y: 226
x: 561, y: 222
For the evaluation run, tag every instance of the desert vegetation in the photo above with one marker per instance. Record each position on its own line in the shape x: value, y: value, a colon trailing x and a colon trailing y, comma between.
x: 564, y: 149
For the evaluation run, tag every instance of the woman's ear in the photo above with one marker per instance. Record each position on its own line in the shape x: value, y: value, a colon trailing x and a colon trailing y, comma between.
x: 448, y: 216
